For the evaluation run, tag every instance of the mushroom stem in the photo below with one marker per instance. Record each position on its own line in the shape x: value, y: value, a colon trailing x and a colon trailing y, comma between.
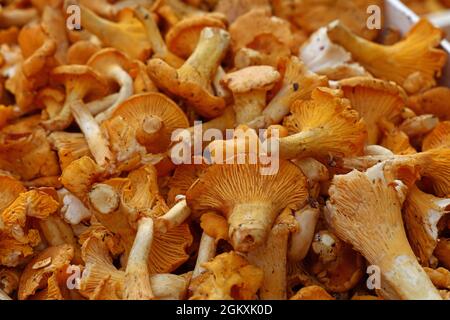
x: 151, y: 131
x: 156, y: 40
x: 173, y: 218
x: 4, y: 296
x: 301, y: 240
x: 206, y: 252
x: 272, y: 259
x: 104, y: 198
x: 411, y: 281
x: 250, y: 105
x: 205, y: 59
x: 98, y: 106
x: 126, y: 90
x: 249, y: 225
x: 137, y: 277
x: 97, y: 142
x: 294, y: 146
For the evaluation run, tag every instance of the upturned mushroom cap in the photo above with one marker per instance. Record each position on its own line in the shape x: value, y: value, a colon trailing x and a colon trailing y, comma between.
x: 41, y: 267
x: 251, y: 78
x: 183, y: 37
x: 412, y: 63
x: 249, y: 200
x: 422, y: 213
x: 374, y: 227
x: 374, y: 100
x: 152, y: 117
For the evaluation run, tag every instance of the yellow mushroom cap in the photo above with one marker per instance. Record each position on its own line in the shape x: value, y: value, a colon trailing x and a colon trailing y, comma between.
x: 252, y: 78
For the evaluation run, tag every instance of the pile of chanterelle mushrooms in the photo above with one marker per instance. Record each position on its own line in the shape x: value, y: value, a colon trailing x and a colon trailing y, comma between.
x: 94, y: 205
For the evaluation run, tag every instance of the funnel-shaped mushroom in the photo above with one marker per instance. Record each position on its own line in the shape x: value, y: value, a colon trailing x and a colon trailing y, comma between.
x: 249, y: 200
x: 192, y: 81
x: 412, y: 63
x: 298, y: 84
x: 115, y: 67
x: 151, y: 118
x: 326, y: 125
x: 249, y: 87
x: 422, y: 213
x: 374, y: 100
x: 127, y: 35
x: 365, y: 210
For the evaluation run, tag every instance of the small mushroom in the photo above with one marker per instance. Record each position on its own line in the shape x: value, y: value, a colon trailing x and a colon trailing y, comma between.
x: 249, y: 87
x: 115, y: 66
x: 298, y: 84
x: 374, y: 100
x: 192, y: 81
x: 374, y: 227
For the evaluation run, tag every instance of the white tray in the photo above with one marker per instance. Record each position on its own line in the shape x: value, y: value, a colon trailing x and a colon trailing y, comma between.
x: 400, y: 17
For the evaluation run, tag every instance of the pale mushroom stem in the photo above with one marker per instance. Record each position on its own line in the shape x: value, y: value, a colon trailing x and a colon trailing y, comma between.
x: 301, y: 240
x: 97, y: 142
x: 168, y: 286
x: 405, y: 279
x: 277, y: 109
x: 249, y: 225
x: 98, y: 106
x: 151, y: 131
x: 272, y: 259
x: 205, y: 59
x: 126, y: 90
x: 249, y: 106
x: 173, y: 218
x: 4, y: 296
x: 294, y: 146
x: 137, y: 277
x: 154, y: 36
x: 206, y: 252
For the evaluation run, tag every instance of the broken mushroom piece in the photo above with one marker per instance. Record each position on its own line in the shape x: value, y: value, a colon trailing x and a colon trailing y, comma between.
x: 249, y: 87
x: 422, y: 213
x: 412, y: 63
x: 249, y: 200
x: 229, y: 276
x: 115, y: 66
x: 374, y: 227
x: 41, y: 267
x: 326, y: 125
x: 206, y: 252
x: 192, y: 81
x: 298, y: 84
x: 374, y: 100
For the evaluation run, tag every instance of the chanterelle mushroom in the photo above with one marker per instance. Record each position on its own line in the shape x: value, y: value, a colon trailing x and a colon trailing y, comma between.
x: 412, y: 63
x: 250, y: 201
x: 249, y: 87
x: 192, y: 81
x: 365, y: 210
